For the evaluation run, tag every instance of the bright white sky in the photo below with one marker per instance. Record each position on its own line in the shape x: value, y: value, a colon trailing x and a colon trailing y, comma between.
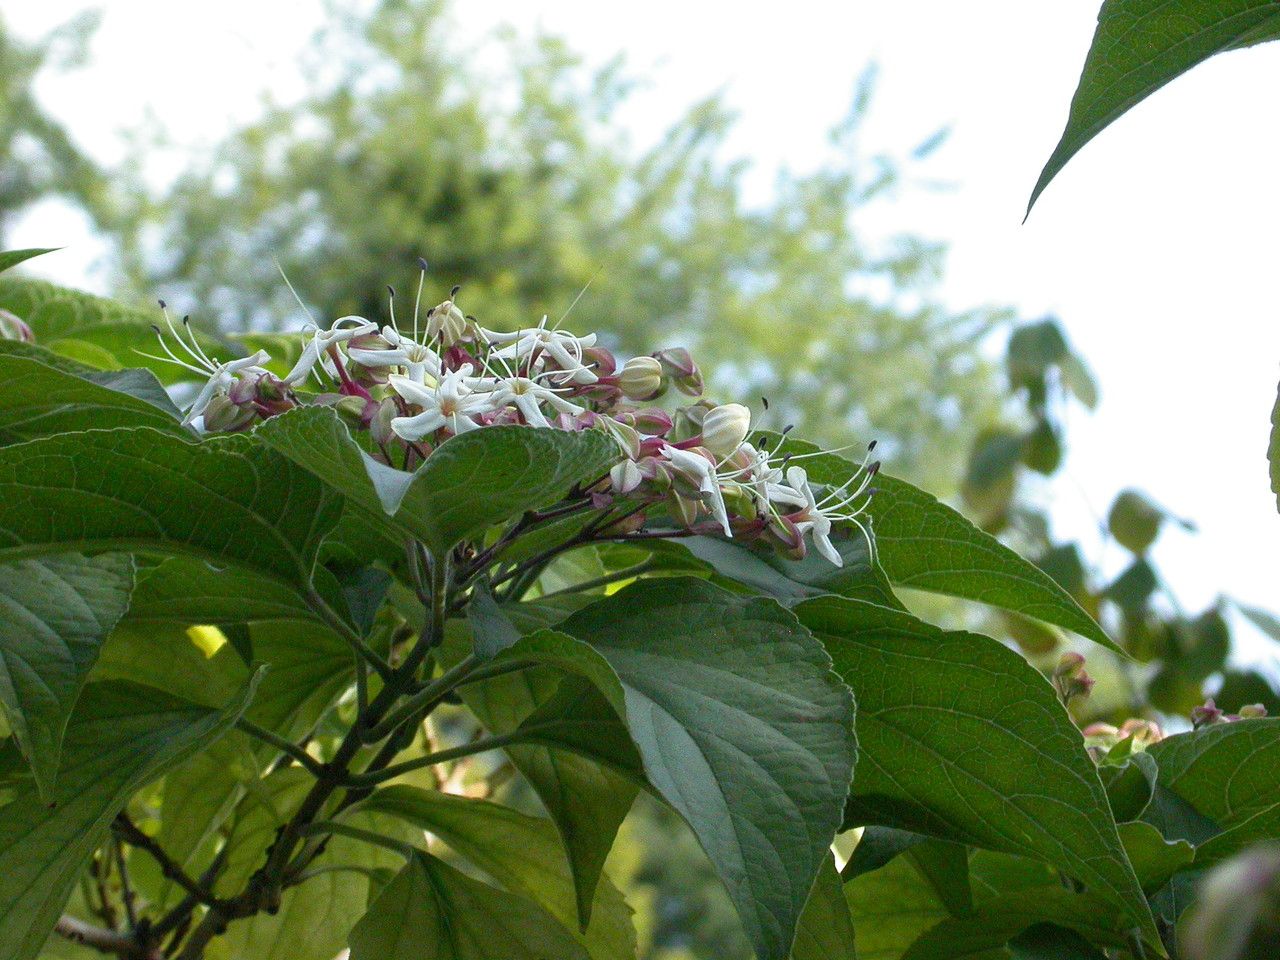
x: 1157, y: 245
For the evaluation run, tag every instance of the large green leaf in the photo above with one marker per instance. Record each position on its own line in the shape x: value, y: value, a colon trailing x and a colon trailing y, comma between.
x: 40, y: 399
x: 188, y: 590
x: 925, y: 545
x: 522, y: 853
x: 229, y: 500
x: 432, y: 911
x: 962, y: 739
x: 472, y: 481
x: 120, y: 737
x: 587, y: 801
x: 826, y: 926
x: 742, y: 728
x: 1229, y: 774
x: 1139, y: 46
x: 55, y: 614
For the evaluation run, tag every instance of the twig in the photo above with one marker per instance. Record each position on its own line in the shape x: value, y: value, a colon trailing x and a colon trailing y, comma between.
x: 288, y: 747
x: 129, y: 832
x: 103, y: 940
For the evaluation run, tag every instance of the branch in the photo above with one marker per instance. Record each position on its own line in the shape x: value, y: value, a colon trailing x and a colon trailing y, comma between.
x: 373, y: 778
x: 288, y: 747
x: 343, y: 629
x: 128, y: 831
x: 103, y: 940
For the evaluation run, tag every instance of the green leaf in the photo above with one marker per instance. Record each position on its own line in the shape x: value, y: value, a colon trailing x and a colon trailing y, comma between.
x: 587, y: 801
x: 121, y: 737
x: 40, y: 399
x: 1155, y: 860
x: 259, y: 814
x: 229, y: 500
x: 522, y: 853
x: 1129, y: 785
x: 826, y: 926
x: 432, y: 911
x: 188, y: 590
x: 491, y: 629
x: 925, y: 545
x: 962, y: 739
x: 996, y: 922
x: 469, y: 483
x: 11, y: 258
x: 1134, y: 521
x: 876, y: 847
x: 1139, y: 46
x: 1273, y: 450
x: 742, y: 728
x: 891, y: 907
x: 1228, y: 773
x: 55, y: 614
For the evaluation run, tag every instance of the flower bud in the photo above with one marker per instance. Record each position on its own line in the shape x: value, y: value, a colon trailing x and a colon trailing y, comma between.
x: 641, y: 378
x: 625, y: 477
x: 447, y: 322
x: 652, y: 421
x: 1252, y: 711
x: 679, y: 366
x: 380, y: 424
x: 724, y: 428
x: 1070, y: 678
x: 687, y: 422
x: 224, y: 416
x: 13, y: 327
x: 1237, y: 915
x: 602, y: 361
x: 1207, y: 714
x: 684, y: 510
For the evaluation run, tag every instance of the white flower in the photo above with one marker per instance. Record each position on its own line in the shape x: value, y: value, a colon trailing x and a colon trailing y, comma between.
x: 450, y: 403
x: 526, y: 395
x: 702, y: 472
x: 812, y: 520
x: 318, y: 346
x: 418, y: 360
x: 561, y: 346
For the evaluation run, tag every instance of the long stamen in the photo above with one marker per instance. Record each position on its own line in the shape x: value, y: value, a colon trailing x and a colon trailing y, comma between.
x: 417, y: 300
x: 576, y: 299
x: 198, y: 350
x: 295, y: 293
x: 391, y: 306
x: 171, y: 359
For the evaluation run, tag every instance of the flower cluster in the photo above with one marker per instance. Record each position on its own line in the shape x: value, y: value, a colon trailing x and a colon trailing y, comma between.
x: 413, y: 389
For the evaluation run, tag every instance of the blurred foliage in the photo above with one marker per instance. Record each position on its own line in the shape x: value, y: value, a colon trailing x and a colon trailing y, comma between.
x: 531, y: 197
x: 38, y: 159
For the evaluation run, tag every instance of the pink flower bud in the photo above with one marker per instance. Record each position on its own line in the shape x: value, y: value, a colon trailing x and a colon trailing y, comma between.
x: 1070, y: 679
x: 13, y: 327
x: 602, y: 361
x: 1207, y: 715
x: 652, y: 421
x: 679, y: 366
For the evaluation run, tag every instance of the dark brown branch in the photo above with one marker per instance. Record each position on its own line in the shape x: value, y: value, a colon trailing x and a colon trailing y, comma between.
x: 103, y: 940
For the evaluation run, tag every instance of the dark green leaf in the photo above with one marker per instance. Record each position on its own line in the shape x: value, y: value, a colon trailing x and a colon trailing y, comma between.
x: 945, y: 866
x: 997, y: 922
x: 120, y: 737
x: 876, y: 847
x: 188, y: 590
x: 491, y: 629
x: 1045, y: 941
x: 925, y: 545
x: 55, y: 614
x: 1129, y: 785
x: 229, y: 500
x: 1134, y: 587
x: 431, y: 911
x: 1139, y: 46
x: 11, y: 258
x: 472, y: 481
x: 826, y: 926
x: 520, y: 852
x: 743, y: 729
x: 962, y: 739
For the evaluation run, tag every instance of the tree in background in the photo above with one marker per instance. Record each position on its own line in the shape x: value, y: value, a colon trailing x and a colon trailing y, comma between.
x: 38, y: 159
x: 533, y: 198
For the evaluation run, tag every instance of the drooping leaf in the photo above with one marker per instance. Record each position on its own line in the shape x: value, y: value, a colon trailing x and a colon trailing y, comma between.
x: 1229, y: 774
x: 472, y: 481
x: 962, y: 739
x: 55, y: 614
x: 40, y: 399
x: 1139, y: 46
x: 891, y: 907
x: 432, y: 911
x: 522, y: 853
x: 587, y: 801
x: 121, y: 737
x: 742, y: 728
x: 996, y: 922
x: 826, y: 930
x: 925, y: 545
x: 1155, y: 860
x: 229, y: 500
